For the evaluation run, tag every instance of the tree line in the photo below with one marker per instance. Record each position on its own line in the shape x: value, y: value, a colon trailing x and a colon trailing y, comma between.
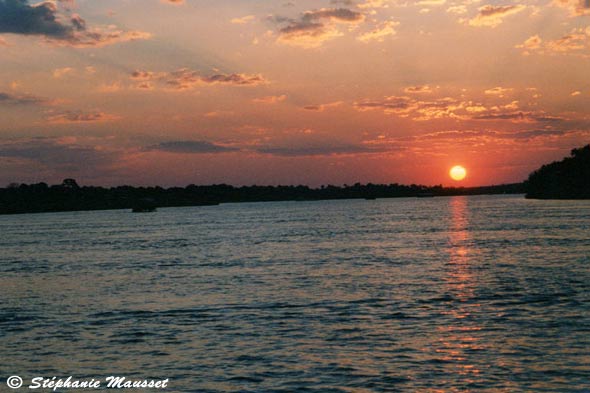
x: 69, y: 196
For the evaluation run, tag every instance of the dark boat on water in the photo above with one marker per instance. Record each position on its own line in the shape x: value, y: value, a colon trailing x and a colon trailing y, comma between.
x: 425, y: 195
x: 144, y: 206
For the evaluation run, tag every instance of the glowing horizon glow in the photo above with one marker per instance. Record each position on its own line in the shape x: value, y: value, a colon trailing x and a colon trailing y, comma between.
x: 458, y: 173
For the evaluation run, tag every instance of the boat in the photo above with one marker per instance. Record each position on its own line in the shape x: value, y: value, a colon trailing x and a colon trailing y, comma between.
x: 425, y: 195
x: 145, y: 205
x: 143, y: 209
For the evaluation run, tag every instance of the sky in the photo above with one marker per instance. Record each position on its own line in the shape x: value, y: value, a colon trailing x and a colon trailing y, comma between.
x: 172, y: 92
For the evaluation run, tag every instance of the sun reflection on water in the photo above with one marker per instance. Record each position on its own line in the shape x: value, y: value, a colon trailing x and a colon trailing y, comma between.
x: 459, y: 339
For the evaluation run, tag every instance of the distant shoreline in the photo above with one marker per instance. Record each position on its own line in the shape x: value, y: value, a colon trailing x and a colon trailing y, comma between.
x: 68, y: 196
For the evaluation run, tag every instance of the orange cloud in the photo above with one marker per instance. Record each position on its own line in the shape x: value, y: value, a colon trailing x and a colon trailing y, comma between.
x: 520, y: 117
x: 78, y: 117
x: 314, y: 28
x: 217, y: 114
x: 270, y: 99
x: 99, y: 37
x: 576, y: 7
x: 492, y: 16
x: 390, y: 105
x: 457, y: 109
x: 568, y: 43
x: 322, y: 107
x: 420, y: 110
x: 576, y: 41
x: 368, y: 4
x: 186, y: 79
x: 243, y: 20
x: 110, y: 88
x: 532, y: 43
x: 380, y: 33
x: 418, y: 89
x: 498, y: 91
x: 60, y: 72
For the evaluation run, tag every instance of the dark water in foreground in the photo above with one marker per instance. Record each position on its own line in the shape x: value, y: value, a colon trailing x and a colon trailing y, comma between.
x: 462, y: 294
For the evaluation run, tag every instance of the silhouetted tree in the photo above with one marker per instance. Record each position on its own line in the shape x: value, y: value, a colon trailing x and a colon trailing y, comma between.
x: 70, y: 183
x: 565, y: 179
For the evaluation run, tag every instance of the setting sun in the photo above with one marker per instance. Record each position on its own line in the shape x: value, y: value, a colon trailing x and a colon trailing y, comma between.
x: 458, y: 173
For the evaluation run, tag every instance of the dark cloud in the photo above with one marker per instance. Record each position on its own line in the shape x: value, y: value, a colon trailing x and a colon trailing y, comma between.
x: 192, y: 147
x: 397, y: 105
x: 348, y: 3
x: 44, y: 19
x: 311, y: 20
x: 301, y: 28
x: 452, y: 135
x: 234, y: 79
x: 489, y: 10
x: 78, y: 23
x: 322, y: 107
x: 81, y: 117
x: 16, y: 99
x: 535, y: 134
x: 339, y: 14
x: 319, y: 150
x: 184, y: 79
x: 418, y: 89
x: 18, y: 17
x: 144, y: 75
x: 519, y: 117
x: 315, y: 27
x: 55, y: 154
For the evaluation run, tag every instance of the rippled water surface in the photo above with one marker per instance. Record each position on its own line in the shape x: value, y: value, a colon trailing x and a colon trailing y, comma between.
x: 462, y: 294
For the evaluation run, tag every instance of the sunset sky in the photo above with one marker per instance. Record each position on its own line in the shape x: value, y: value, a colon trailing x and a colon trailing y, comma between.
x: 147, y: 92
